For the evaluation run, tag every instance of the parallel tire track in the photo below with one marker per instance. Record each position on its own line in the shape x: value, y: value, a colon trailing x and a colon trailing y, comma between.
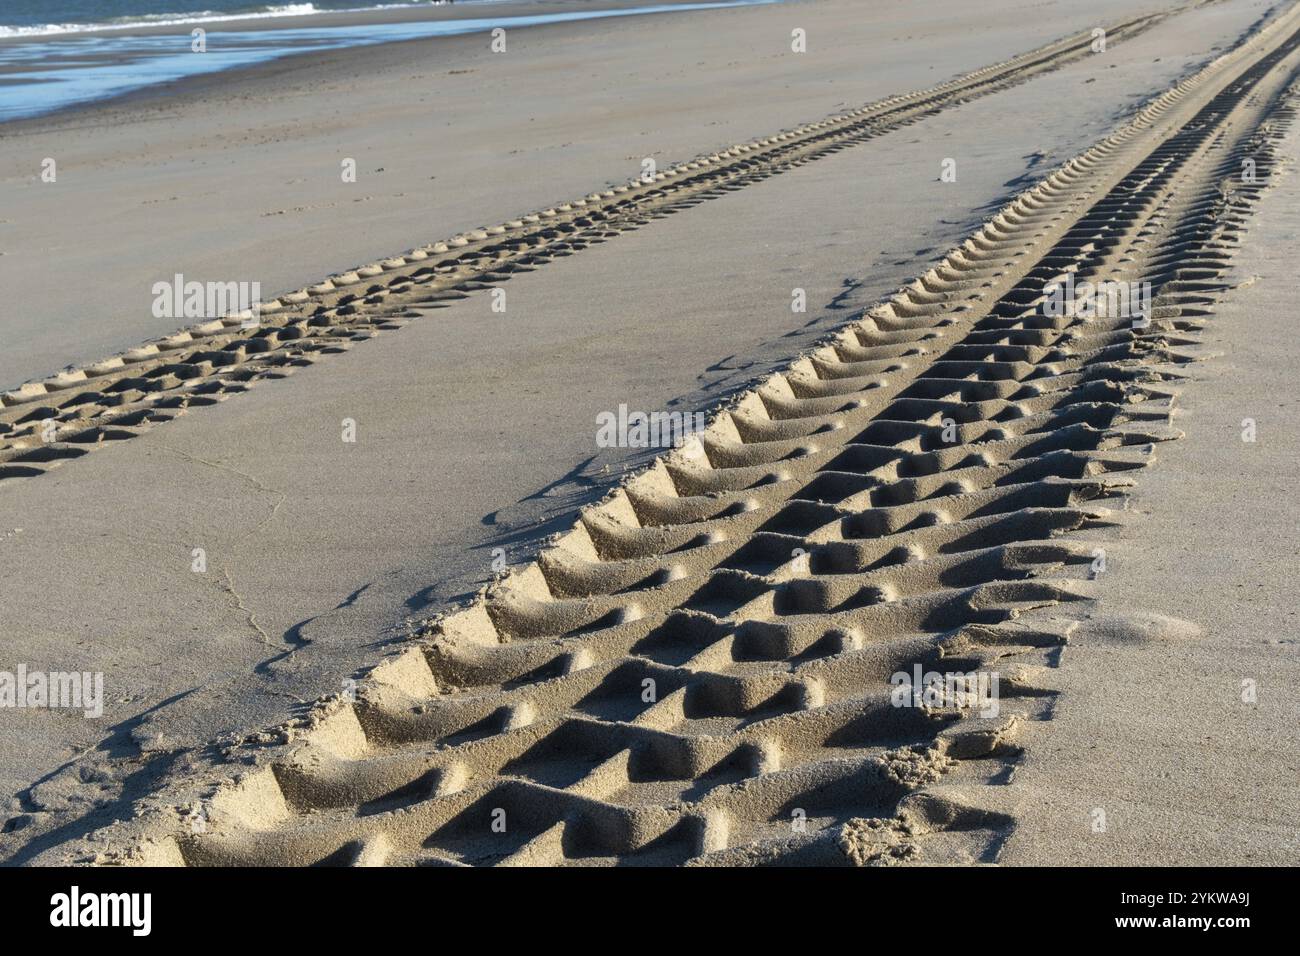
x: 699, y: 671
x: 46, y: 423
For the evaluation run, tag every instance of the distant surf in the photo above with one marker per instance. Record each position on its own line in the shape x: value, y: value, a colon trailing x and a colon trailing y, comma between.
x: 12, y: 17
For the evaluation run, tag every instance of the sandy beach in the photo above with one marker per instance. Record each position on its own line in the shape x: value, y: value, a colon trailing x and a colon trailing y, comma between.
x: 840, y: 260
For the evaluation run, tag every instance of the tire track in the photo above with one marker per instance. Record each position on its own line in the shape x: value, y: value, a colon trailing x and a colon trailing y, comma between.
x: 700, y: 671
x: 46, y: 423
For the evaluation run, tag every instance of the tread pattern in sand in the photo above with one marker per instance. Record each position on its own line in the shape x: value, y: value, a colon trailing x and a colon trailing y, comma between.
x: 828, y: 537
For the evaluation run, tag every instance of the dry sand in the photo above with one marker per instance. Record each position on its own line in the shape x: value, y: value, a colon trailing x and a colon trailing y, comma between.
x: 1157, y: 725
x: 476, y: 429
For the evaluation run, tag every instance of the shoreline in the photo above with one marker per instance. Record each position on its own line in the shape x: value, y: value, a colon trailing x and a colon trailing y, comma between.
x: 352, y: 30
x: 320, y: 18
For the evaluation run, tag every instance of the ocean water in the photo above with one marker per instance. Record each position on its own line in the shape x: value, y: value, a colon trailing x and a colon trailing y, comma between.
x: 52, y: 17
x: 47, y: 64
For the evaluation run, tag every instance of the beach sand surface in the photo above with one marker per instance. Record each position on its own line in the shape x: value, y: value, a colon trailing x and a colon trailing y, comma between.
x: 475, y: 429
